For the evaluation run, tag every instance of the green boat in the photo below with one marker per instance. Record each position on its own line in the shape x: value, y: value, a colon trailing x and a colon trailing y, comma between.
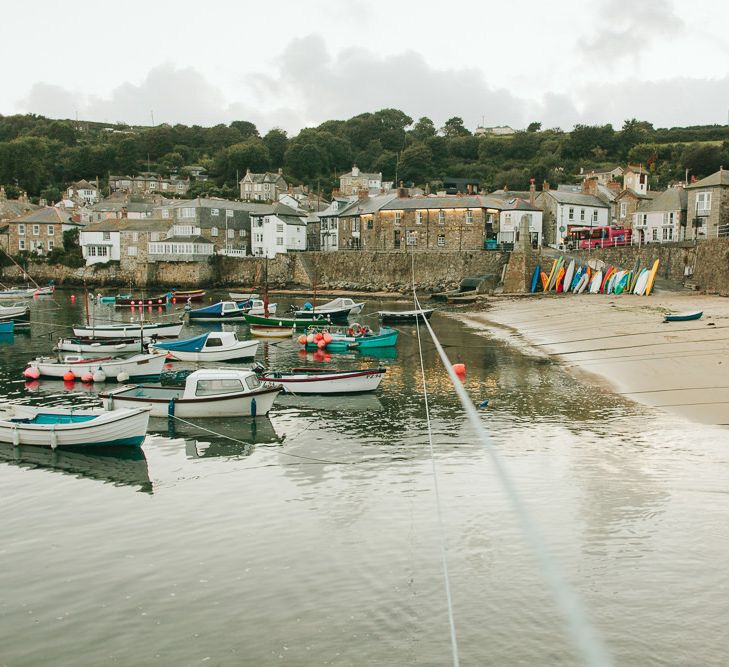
x: 285, y: 322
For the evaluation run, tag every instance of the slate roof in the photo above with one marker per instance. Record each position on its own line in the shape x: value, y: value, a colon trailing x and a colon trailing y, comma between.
x: 575, y: 199
x: 124, y: 225
x: 673, y: 199
x: 267, y: 177
x: 718, y: 178
x: 48, y: 215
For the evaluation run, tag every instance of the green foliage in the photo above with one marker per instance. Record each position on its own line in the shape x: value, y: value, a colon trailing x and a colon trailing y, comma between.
x: 70, y: 239
x: 41, y: 156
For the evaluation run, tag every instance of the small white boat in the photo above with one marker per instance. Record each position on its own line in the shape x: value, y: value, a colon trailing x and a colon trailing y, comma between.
x: 263, y: 331
x: 68, y: 427
x: 140, y: 365
x: 213, y: 346
x: 18, y: 312
x: 340, y: 303
x: 404, y: 316
x: 129, y: 330
x: 101, y: 345
x: 257, y: 307
x: 18, y: 293
x: 242, y: 296
x: 210, y: 392
x: 318, y: 381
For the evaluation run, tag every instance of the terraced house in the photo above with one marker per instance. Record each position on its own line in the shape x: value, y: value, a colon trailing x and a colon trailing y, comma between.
x: 39, y: 231
x: 662, y: 219
x: 708, y: 206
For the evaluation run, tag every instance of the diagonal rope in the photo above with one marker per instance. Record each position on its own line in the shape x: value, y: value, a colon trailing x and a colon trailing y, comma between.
x: 580, y: 629
x: 441, y: 527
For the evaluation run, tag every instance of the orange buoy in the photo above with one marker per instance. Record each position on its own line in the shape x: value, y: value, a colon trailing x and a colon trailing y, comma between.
x: 459, y: 369
x: 302, y: 339
x: 321, y: 344
x: 68, y: 376
x: 73, y: 298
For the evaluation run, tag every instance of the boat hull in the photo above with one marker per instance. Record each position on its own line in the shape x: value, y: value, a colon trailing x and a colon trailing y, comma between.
x: 127, y: 428
x: 166, y: 402
x: 131, y: 330
x: 684, y: 317
x: 112, y: 347
x: 270, y: 332
x: 139, y: 366
x: 403, y: 317
x: 18, y: 314
x: 130, y: 302
x: 242, y: 350
x: 287, y: 323
x: 351, y: 382
x: 189, y: 295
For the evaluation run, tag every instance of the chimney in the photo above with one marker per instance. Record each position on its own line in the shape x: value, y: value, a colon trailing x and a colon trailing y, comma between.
x: 248, y: 171
x: 124, y: 212
x: 545, y: 186
x: 614, y: 185
x: 355, y: 170
x: 402, y: 192
x: 532, y: 192
x: 362, y: 193
x: 280, y: 171
x: 589, y: 186
x: 506, y: 188
x: 693, y: 179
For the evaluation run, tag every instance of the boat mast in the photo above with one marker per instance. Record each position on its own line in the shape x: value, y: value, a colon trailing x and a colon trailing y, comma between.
x: 265, y: 288
x: 86, y: 303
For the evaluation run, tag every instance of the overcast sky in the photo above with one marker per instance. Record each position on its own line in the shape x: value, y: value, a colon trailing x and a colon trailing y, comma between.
x: 296, y: 63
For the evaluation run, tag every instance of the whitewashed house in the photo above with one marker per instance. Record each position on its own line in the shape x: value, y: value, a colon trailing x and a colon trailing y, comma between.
x: 564, y: 211
x: 511, y: 214
x: 83, y: 192
x: 663, y: 219
x: 277, y: 229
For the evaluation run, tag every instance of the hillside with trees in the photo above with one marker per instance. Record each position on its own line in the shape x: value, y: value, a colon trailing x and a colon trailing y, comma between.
x: 42, y: 155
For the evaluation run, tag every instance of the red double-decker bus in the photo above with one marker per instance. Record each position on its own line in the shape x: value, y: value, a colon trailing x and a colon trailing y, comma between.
x: 597, y: 237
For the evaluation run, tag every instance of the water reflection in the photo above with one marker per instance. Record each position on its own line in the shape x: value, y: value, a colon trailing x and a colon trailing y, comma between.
x: 123, y: 466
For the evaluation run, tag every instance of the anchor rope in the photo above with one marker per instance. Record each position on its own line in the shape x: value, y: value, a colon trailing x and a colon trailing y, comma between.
x: 583, y: 635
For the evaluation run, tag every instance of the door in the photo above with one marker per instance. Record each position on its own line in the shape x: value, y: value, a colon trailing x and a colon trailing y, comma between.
x: 397, y: 239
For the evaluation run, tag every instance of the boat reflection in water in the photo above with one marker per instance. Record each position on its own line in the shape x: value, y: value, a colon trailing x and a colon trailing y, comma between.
x: 122, y: 466
x: 205, y: 438
x: 354, y: 355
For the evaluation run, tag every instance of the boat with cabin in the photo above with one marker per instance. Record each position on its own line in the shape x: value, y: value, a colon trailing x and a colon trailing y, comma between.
x: 223, y: 310
x: 322, y: 381
x: 212, y: 346
x: 257, y: 307
x: 208, y: 392
x: 354, y: 337
x: 337, y: 310
x: 70, y: 427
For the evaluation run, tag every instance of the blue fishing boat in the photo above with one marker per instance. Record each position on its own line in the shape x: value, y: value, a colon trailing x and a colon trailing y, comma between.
x: 355, y: 337
x: 684, y: 317
x: 223, y: 310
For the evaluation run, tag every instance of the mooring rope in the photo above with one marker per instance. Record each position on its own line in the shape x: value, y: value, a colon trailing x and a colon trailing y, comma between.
x: 583, y: 635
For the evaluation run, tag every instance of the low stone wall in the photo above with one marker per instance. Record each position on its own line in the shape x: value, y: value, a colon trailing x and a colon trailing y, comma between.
x: 707, y: 261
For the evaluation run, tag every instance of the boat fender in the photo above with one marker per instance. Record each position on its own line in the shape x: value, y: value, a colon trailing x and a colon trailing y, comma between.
x: 122, y: 377
x: 16, y: 437
x: 99, y: 375
x: 54, y: 438
x: 253, y: 407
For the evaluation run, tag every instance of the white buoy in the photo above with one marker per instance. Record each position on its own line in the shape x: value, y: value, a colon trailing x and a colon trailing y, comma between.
x: 122, y: 377
x: 99, y: 375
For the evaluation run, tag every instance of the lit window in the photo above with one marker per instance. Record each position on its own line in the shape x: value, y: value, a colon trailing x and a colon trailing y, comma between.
x: 469, y: 217
x: 228, y: 213
x: 398, y: 217
x: 214, y: 231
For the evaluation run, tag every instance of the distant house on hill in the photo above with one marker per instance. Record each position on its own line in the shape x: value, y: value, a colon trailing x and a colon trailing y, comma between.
x: 83, y: 192
x: 264, y: 187
x: 502, y: 130
x: 355, y: 181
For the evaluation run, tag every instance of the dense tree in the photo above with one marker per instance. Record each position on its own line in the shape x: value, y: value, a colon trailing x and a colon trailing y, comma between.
x: 416, y: 164
x: 534, y: 127
x: 246, y: 128
x: 232, y: 162
x: 423, y: 130
x: 454, y: 127
x: 276, y: 141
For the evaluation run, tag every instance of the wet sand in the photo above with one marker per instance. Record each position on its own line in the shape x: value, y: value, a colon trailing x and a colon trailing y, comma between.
x: 681, y: 367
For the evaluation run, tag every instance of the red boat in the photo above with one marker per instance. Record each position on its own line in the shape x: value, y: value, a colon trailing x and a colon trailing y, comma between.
x: 188, y: 295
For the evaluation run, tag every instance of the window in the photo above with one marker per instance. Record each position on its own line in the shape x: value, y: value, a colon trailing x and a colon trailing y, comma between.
x: 228, y: 213
x: 623, y: 209
x: 51, y: 230
x: 370, y: 223
x: 418, y: 217
x: 279, y: 227
x: 50, y: 244
x: 507, y: 219
x: 107, y: 236
x: 212, y: 387
x: 441, y: 240
x: 215, y: 211
x: 21, y: 230
x: 154, y: 236
x: 21, y: 244
x: 214, y: 231
x: 469, y: 217
x: 655, y: 234
x: 36, y: 230
x: 135, y: 236
x: 165, y: 213
x: 668, y: 233
x: 132, y: 251
x: 259, y: 238
x: 441, y: 219
x: 242, y: 233
x: 279, y: 240
x: 356, y: 225
x: 571, y: 214
x: 334, y: 239
x: 187, y: 212
x: 582, y: 214
x: 703, y: 202
x: 231, y: 233
x: 594, y: 215
x: 398, y: 217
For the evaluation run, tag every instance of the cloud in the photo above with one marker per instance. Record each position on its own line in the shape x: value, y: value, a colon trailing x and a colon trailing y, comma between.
x: 625, y: 30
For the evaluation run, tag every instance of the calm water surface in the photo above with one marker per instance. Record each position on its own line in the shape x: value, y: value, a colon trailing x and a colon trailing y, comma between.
x: 310, y: 537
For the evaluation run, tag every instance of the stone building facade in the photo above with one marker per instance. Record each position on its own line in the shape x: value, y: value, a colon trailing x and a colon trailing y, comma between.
x: 708, y: 206
x: 39, y: 231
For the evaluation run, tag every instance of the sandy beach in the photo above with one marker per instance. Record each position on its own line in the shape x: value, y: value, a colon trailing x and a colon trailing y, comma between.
x: 681, y: 367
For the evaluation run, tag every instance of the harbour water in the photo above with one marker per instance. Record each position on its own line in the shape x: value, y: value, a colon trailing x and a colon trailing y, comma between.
x: 311, y: 537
